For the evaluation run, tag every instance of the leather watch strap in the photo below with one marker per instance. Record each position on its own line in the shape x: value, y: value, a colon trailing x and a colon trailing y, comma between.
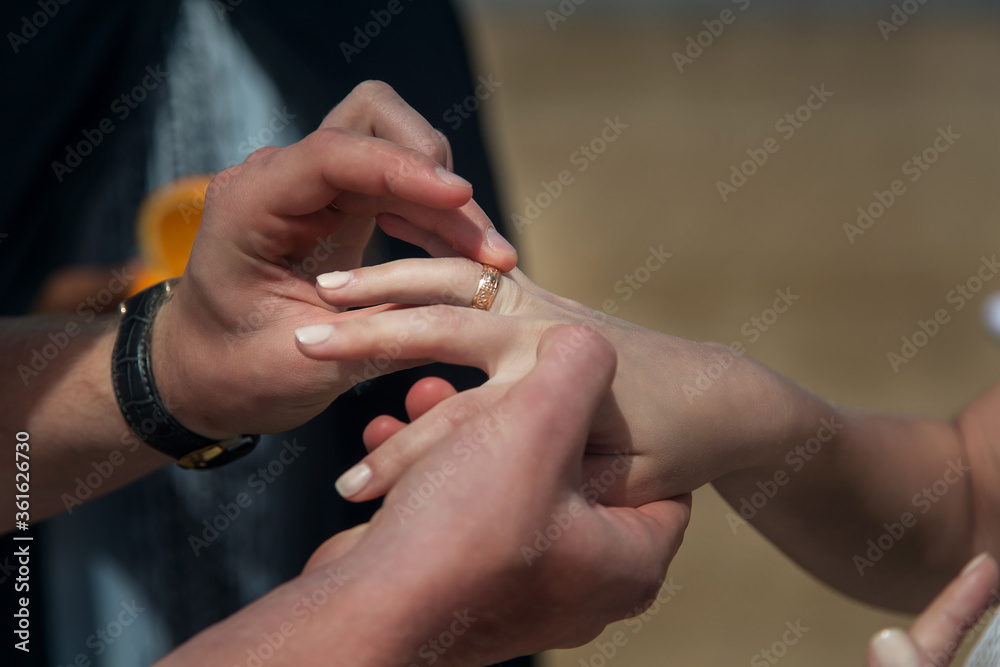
x: 139, y: 400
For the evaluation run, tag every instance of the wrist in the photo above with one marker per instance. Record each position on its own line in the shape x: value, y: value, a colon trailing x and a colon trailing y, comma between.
x: 385, y: 609
x: 192, y: 399
x: 776, y: 415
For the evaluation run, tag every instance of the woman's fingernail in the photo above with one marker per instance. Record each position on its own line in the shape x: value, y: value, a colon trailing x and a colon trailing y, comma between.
x: 973, y: 563
x: 498, y: 242
x: 316, y: 333
x: 451, y: 178
x: 334, y: 279
x: 893, y: 648
x: 352, y: 481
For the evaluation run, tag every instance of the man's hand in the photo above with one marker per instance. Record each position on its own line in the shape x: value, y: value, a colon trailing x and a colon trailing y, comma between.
x: 486, y: 540
x: 224, y: 354
x: 223, y: 348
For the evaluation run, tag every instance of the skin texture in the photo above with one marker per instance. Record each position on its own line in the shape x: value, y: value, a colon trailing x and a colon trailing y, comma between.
x: 470, y: 559
x: 935, y: 637
x: 457, y: 563
x: 737, y: 430
x: 224, y: 356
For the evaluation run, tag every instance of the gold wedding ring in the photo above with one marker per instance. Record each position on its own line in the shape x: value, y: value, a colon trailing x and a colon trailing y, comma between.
x: 489, y: 282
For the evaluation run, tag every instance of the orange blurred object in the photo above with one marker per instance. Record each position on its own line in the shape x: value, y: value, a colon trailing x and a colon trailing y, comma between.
x: 165, y: 227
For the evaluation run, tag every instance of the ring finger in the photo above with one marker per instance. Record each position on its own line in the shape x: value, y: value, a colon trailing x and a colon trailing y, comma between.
x: 453, y: 281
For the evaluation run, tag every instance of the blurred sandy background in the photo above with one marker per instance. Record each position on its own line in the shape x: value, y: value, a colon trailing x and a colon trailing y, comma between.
x: 656, y: 184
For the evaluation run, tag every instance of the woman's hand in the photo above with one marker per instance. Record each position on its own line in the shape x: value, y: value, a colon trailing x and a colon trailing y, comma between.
x: 224, y: 355
x: 666, y: 428
x: 935, y: 637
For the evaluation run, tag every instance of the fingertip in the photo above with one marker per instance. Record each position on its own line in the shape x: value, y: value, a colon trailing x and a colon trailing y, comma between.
x: 984, y: 563
x: 571, y: 376
x: 379, y: 430
x: 452, y: 179
x: 333, y: 279
x: 354, y: 481
x: 671, y: 514
x: 503, y: 255
x: 312, y: 335
x: 496, y: 241
x: 425, y: 394
x: 892, y: 647
x: 449, y: 161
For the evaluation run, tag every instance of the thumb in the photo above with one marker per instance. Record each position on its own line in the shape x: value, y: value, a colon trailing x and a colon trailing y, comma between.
x: 939, y: 630
x: 560, y: 394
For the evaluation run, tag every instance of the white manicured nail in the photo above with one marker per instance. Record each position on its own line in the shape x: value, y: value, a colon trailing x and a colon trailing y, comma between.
x: 498, y: 242
x: 973, y: 563
x: 316, y: 333
x: 352, y: 481
x: 334, y: 279
x: 991, y: 314
x: 893, y: 648
x: 451, y: 178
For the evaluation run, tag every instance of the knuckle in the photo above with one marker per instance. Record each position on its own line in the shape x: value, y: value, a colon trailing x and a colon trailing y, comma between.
x: 373, y: 88
x: 260, y: 153
x: 443, y: 139
x: 459, y: 412
x: 585, y: 335
x: 433, y: 146
x: 398, y: 169
x: 221, y: 182
x: 328, y: 139
x: 442, y: 315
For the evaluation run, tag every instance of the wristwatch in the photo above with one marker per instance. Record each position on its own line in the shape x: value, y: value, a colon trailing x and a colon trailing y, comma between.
x: 139, y: 400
